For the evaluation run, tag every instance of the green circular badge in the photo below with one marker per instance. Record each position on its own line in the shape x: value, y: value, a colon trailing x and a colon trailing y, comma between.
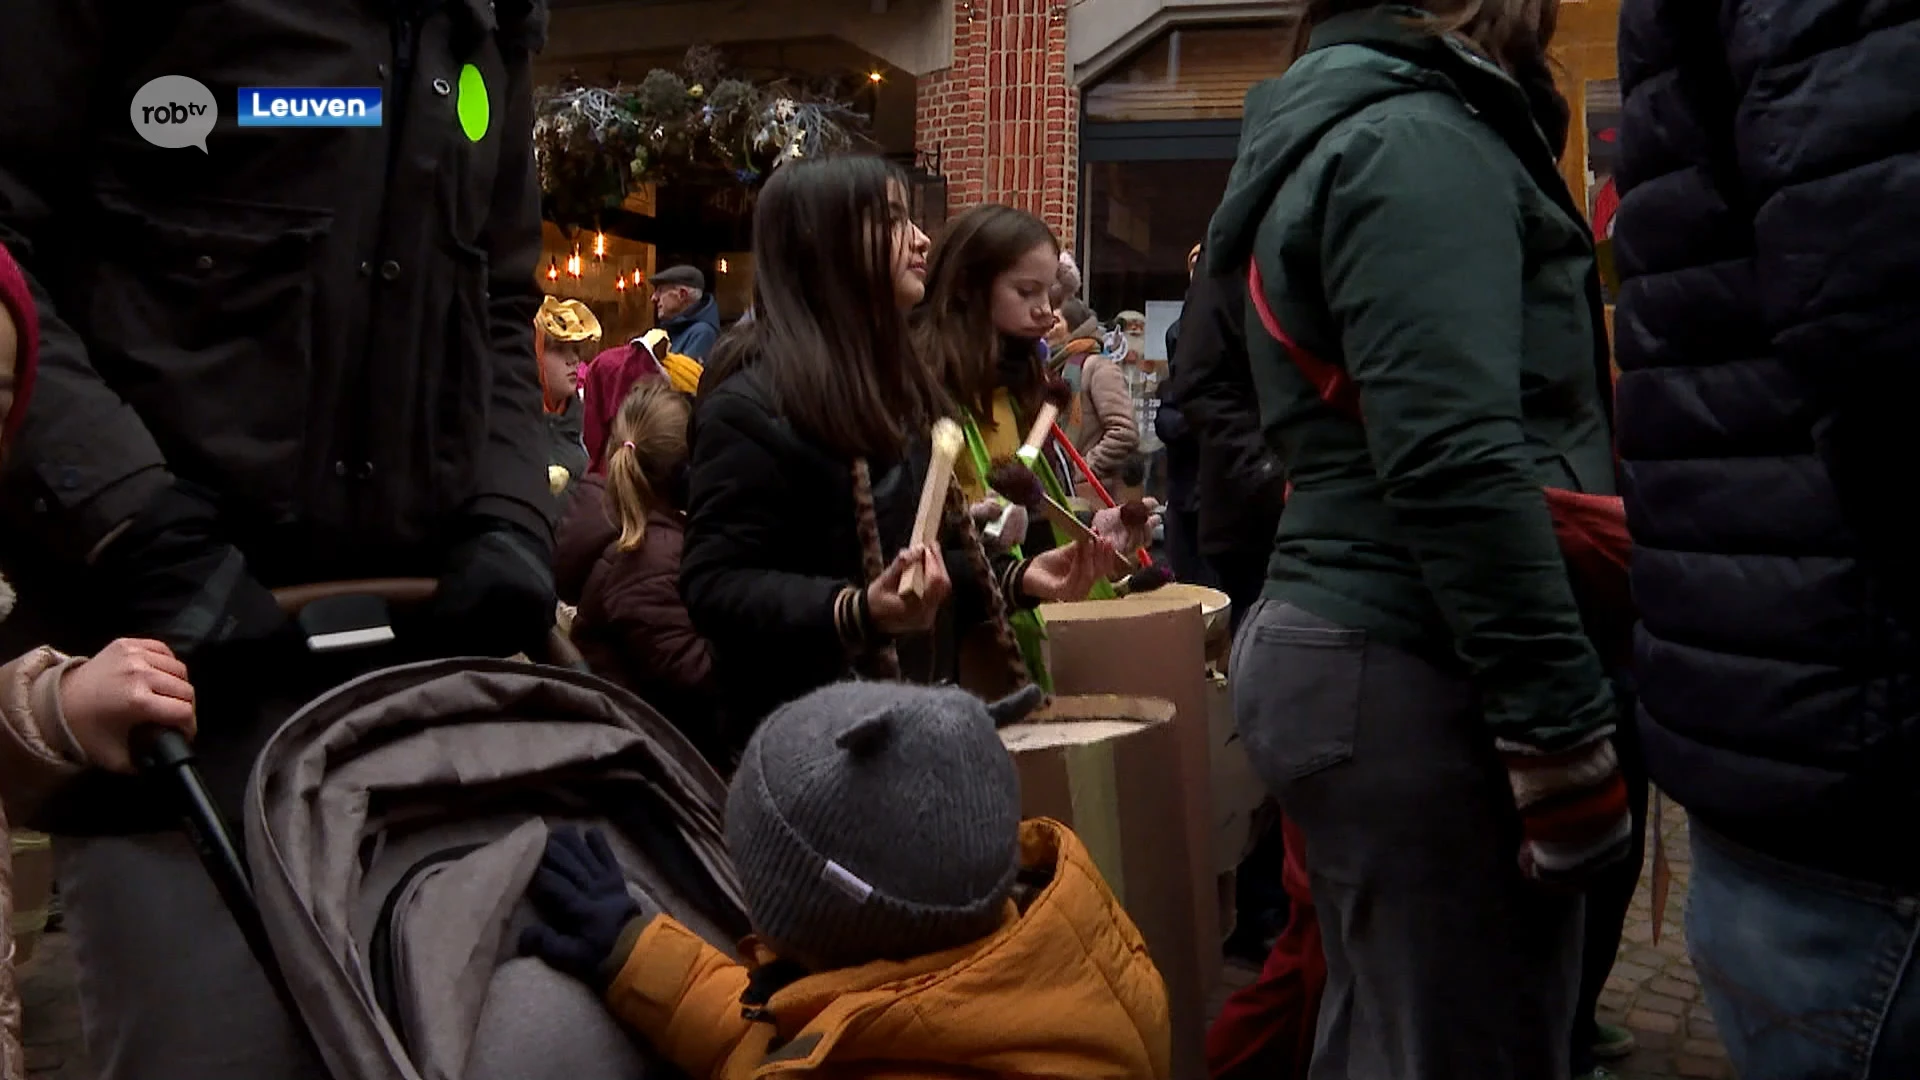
x: 474, y: 110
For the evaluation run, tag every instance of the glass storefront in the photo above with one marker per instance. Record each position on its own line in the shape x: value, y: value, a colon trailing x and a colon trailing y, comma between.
x: 1141, y: 219
x: 1157, y: 142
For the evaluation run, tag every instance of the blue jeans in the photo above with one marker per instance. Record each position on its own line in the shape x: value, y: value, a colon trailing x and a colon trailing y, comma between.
x: 1810, y: 976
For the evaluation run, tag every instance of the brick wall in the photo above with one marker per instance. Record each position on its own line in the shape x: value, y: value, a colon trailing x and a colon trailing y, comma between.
x: 1005, y: 117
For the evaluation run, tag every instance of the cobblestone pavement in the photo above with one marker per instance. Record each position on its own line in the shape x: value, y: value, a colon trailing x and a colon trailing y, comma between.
x: 1653, y: 991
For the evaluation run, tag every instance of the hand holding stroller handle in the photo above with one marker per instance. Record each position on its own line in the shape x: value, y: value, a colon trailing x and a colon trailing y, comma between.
x: 156, y: 746
x: 409, y: 592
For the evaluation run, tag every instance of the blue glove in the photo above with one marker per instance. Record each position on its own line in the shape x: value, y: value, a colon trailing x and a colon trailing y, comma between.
x: 584, y: 906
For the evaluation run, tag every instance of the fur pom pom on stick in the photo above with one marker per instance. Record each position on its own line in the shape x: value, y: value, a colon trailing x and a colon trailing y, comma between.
x: 1016, y: 483
x: 1144, y: 580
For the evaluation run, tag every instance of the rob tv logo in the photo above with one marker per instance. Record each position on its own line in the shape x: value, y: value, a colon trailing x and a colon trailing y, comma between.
x: 175, y: 111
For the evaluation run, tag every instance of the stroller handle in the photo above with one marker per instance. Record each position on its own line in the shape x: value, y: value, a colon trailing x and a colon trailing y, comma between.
x: 409, y: 592
x: 400, y: 592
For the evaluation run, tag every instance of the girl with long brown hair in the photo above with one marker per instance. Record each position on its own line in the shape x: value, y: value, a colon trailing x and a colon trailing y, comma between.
x: 982, y: 329
x: 632, y: 627
x: 809, y: 449
x: 989, y: 308
x: 1417, y: 686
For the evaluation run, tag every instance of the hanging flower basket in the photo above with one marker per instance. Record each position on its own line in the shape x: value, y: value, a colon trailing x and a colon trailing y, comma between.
x: 592, y: 144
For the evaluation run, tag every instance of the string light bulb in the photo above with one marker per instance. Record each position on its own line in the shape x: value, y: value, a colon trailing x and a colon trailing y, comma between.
x: 723, y: 266
x: 636, y: 277
x: 599, y: 245
x: 620, y: 283
x: 553, y: 270
x: 874, y: 77
x: 573, y: 263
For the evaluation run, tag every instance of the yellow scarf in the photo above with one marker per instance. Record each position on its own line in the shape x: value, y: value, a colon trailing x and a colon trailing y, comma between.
x: 1003, y: 440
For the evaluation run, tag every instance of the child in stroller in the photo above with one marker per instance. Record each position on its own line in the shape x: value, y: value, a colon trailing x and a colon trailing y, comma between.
x: 907, y: 921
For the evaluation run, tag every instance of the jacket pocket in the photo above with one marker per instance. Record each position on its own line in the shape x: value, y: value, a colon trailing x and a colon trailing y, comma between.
x: 459, y: 393
x: 1296, y: 696
x: 201, y: 317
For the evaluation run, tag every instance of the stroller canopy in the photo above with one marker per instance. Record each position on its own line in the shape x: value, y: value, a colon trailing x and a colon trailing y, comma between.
x: 392, y: 826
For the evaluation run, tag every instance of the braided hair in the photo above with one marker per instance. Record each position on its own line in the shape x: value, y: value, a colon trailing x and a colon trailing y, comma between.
x: 884, y: 662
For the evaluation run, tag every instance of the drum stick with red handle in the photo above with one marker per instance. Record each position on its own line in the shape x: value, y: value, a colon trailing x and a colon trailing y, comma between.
x: 1133, y: 515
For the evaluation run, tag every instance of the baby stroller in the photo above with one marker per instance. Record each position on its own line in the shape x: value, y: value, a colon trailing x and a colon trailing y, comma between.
x: 392, y: 825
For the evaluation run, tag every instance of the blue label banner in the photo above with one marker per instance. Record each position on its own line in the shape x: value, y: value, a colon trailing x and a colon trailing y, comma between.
x: 307, y: 106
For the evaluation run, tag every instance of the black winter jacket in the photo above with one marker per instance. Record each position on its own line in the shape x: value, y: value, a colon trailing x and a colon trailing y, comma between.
x: 1769, y: 241
x: 328, y: 328
x: 771, y: 540
x: 1240, y: 486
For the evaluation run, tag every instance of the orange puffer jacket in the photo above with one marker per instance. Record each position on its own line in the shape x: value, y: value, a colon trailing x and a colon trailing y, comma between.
x: 1065, y: 989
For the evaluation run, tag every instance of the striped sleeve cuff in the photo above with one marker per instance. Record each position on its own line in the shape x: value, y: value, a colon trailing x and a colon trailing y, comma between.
x: 1009, y: 584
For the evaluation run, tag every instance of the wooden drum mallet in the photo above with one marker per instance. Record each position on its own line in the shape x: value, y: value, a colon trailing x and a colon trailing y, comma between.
x: 947, y: 443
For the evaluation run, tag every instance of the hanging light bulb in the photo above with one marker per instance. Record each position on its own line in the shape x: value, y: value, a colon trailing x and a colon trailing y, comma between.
x: 573, y: 263
x: 723, y: 266
x: 620, y: 283
x: 553, y: 270
x: 599, y: 245
x: 636, y: 277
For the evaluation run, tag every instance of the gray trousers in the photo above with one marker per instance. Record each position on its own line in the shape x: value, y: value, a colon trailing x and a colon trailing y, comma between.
x: 1442, y: 962
x: 168, y: 990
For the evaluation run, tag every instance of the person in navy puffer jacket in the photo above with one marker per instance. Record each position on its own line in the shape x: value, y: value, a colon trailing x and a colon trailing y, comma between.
x: 1769, y: 241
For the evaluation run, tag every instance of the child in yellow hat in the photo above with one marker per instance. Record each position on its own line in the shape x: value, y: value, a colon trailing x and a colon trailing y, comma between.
x: 565, y: 335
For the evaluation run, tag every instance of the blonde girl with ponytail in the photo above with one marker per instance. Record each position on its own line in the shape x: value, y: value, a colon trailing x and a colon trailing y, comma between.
x: 632, y: 627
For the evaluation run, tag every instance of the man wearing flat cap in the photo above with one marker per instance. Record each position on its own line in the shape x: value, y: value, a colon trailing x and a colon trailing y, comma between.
x: 682, y: 307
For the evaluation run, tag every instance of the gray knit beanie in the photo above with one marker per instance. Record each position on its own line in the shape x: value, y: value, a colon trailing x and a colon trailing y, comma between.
x: 877, y: 821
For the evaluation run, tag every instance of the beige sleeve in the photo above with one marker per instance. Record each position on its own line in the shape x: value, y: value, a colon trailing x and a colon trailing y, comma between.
x: 1118, y: 436
x: 37, y: 752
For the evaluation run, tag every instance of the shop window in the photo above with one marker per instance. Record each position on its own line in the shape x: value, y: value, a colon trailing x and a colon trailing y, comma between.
x: 1200, y: 73
x: 1141, y: 220
x: 1157, y: 144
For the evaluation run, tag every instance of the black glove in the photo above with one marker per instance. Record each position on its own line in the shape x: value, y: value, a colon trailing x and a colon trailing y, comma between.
x: 582, y: 898
x: 497, y: 596
x: 180, y: 582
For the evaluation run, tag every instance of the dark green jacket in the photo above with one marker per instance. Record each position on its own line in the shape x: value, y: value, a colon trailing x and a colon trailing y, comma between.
x: 1411, y: 227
